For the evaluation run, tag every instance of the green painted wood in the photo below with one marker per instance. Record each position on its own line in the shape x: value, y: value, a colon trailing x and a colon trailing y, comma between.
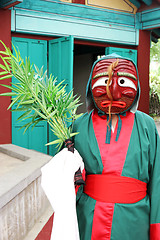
x: 151, y: 14
x: 136, y: 3
x: 150, y: 18
x: 147, y: 2
x: 7, y: 3
x: 36, y: 22
x: 151, y: 24
x: 128, y: 53
x: 63, y: 19
x: 61, y: 66
x: 79, y: 10
x: 61, y: 60
x: 35, y: 139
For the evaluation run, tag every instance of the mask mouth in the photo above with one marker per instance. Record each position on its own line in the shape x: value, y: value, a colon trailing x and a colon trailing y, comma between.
x: 107, y: 103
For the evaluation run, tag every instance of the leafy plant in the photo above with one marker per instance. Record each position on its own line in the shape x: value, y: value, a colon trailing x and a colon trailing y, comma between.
x: 154, y: 78
x: 155, y: 51
x: 37, y: 96
x: 155, y: 81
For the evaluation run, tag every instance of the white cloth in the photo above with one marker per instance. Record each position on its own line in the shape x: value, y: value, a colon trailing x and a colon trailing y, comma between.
x: 58, y: 185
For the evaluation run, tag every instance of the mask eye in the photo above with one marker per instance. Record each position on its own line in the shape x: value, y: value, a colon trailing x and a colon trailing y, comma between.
x: 101, y: 82
x: 125, y: 82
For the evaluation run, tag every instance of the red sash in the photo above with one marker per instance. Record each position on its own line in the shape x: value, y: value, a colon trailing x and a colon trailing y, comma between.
x: 115, y: 189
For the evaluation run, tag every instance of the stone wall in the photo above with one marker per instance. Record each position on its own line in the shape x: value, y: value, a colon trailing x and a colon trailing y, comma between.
x: 22, y: 200
x: 19, y: 216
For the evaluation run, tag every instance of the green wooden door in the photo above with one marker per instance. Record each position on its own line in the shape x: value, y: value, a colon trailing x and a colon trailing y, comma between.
x: 35, y: 139
x: 128, y: 53
x: 61, y: 66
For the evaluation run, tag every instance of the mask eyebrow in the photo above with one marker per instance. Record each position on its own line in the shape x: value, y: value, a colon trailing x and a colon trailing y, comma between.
x: 100, y: 75
x: 124, y: 74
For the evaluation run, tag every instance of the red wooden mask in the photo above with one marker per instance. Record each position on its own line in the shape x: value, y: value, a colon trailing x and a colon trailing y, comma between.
x: 122, y: 85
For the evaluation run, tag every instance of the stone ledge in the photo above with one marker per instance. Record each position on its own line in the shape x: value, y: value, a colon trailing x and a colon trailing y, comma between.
x: 7, y: 149
x: 17, y: 179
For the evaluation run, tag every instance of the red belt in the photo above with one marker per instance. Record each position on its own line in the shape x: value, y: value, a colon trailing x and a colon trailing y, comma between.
x: 115, y: 189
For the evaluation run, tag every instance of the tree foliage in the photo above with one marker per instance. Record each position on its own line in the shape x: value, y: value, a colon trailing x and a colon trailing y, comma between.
x: 155, y: 69
x: 155, y: 51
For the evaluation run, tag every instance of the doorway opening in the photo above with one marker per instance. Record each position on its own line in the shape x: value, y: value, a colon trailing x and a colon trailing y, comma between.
x: 84, y: 57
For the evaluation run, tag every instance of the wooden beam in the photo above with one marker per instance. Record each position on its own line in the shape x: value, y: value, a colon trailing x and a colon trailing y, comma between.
x: 147, y: 2
x: 44, y: 23
x: 78, y: 10
x: 150, y: 18
x: 136, y: 3
x: 8, y: 4
x: 78, y: 1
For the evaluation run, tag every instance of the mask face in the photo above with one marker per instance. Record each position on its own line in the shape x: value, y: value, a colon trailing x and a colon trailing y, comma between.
x: 122, y: 87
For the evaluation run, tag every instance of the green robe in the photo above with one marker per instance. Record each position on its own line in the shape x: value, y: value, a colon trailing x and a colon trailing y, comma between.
x: 142, y: 162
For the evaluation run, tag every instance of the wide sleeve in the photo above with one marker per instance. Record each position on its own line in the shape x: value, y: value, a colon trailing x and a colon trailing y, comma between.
x: 154, y: 186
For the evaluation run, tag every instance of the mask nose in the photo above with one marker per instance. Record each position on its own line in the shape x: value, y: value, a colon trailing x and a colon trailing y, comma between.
x: 115, y: 90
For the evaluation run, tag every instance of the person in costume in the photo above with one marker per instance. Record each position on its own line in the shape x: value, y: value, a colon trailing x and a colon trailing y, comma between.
x: 120, y: 148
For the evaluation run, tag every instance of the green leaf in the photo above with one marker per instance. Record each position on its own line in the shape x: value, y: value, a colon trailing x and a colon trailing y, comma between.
x: 8, y: 86
x: 7, y: 58
x: 53, y: 114
x: 15, y: 100
x: 77, y: 116
x: 3, y: 67
x: 20, y: 109
x: 3, y: 73
x: 8, y: 94
x: 48, y: 98
x: 37, y: 89
x: 54, y: 142
x: 49, y: 109
x: 27, y: 102
x: 22, y: 98
x: 37, y: 69
x: 24, y: 115
x: 39, y: 113
x: 5, y: 63
x: 26, y: 127
x: 36, y: 122
x: 4, y: 53
x: 5, y: 77
x: 26, y: 118
x: 43, y: 100
x: 73, y: 134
